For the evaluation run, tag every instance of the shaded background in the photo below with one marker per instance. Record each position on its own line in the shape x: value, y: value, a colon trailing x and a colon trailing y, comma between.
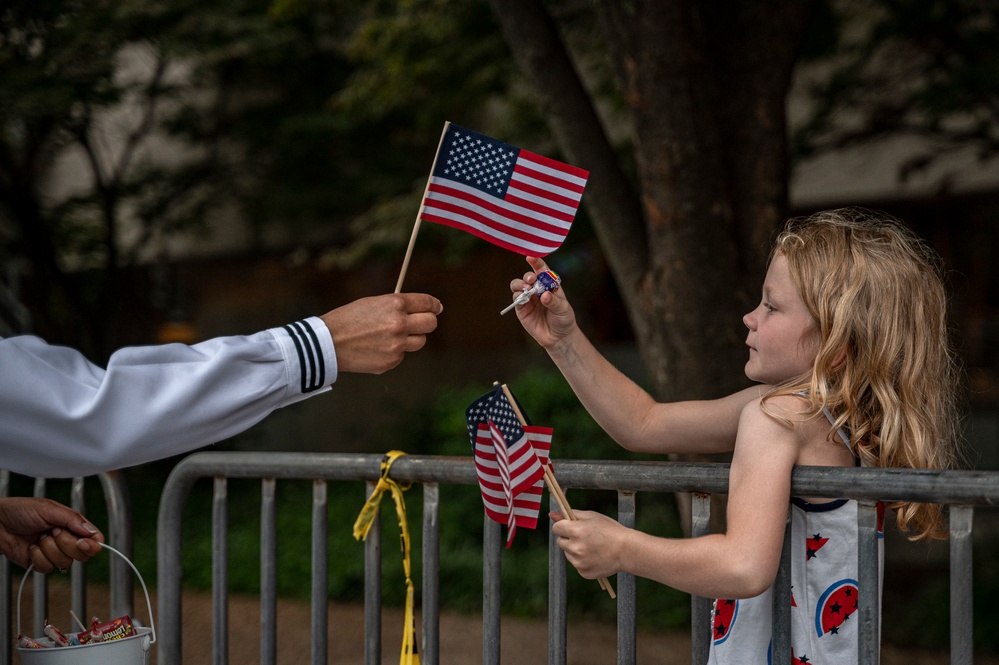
x: 177, y: 170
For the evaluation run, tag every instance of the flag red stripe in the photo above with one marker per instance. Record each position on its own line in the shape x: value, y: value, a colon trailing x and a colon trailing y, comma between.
x: 547, y: 184
x: 494, y: 495
x: 533, y: 190
x: 532, y: 206
x: 568, y: 169
x: 522, y: 508
x: 489, y: 482
x: 520, y: 249
x: 502, y: 459
x: 509, y: 228
x: 540, y: 444
x: 496, y: 214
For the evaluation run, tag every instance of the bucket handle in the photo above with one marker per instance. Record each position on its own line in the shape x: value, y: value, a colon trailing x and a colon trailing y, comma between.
x: 149, y: 606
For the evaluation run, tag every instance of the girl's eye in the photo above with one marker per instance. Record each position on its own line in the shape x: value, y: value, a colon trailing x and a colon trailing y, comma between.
x: 769, y: 307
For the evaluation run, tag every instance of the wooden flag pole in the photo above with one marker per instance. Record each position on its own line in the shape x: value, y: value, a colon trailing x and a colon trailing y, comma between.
x: 554, y: 488
x: 416, y: 225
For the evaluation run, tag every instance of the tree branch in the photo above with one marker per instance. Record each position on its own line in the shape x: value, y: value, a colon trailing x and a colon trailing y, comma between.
x: 538, y: 49
x: 141, y: 131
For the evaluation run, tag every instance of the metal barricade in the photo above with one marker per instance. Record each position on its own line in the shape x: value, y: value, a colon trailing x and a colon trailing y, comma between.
x: 961, y: 491
x: 118, y: 534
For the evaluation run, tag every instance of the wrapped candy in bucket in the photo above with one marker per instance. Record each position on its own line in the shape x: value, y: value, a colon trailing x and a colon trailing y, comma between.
x: 116, y: 642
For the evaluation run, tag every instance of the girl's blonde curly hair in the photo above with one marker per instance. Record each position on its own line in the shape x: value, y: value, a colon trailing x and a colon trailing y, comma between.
x: 885, y: 367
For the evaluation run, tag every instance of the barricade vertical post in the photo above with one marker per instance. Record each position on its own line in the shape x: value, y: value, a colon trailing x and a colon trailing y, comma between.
x: 492, y: 544
x: 431, y: 574
x: 558, y: 602
x: 627, y: 632
x: 961, y: 585
x: 220, y: 570
x: 700, y: 607
x: 781, y: 599
x: 320, y: 573
x: 119, y: 508
x: 169, y: 571
x: 373, y: 586
x: 268, y: 572
x: 868, y: 605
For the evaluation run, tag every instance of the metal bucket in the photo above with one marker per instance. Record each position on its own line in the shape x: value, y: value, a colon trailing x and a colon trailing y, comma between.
x: 132, y: 650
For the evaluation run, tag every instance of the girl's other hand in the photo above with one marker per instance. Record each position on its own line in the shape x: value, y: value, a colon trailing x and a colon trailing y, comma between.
x: 590, y: 542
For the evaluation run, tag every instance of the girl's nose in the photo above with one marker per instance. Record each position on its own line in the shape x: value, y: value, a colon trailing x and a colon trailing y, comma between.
x: 748, y: 319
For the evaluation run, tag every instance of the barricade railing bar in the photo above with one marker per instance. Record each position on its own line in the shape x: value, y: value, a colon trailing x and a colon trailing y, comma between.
x: 960, y: 491
x: 118, y: 535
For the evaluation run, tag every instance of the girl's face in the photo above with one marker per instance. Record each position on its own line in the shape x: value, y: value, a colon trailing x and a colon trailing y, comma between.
x: 783, y: 337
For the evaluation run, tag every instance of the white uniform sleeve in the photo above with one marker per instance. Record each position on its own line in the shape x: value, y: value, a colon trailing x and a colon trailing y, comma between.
x: 63, y: 416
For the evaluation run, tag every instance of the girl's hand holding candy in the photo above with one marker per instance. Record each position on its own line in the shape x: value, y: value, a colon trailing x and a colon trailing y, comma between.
x: 546, y: 281
x: 549, y: 317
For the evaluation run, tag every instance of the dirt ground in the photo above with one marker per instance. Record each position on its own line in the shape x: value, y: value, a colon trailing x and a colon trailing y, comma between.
x: 523, y: 642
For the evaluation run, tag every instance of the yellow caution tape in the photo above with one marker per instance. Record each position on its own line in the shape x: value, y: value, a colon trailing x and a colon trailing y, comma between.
x: 409, y: 655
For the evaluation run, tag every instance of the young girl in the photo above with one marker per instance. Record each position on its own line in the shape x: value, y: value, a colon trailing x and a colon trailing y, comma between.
x: 849, y: 351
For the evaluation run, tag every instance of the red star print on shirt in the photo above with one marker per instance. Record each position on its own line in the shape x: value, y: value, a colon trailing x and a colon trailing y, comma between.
x: 813, y: 545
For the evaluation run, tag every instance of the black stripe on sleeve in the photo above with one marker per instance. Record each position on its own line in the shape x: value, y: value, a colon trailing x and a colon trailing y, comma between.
x: 308, y: 354
x: 321, y: 376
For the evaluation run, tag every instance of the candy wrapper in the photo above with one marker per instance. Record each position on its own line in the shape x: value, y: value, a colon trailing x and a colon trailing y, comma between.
x: 57, y: 637
x: 94, y: 635
x: 25, y: 642
x: 547, y: 281
x: 115, y: 629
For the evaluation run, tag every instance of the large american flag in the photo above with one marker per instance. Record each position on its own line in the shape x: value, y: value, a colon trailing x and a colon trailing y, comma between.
x: 509, y: 461
x: 509, y: 196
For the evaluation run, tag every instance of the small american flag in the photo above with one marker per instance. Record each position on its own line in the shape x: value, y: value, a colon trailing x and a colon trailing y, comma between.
x: 509, y: 461
x: 509, y: 196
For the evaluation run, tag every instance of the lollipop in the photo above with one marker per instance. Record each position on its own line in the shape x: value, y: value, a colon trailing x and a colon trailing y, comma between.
x: 547, y: 281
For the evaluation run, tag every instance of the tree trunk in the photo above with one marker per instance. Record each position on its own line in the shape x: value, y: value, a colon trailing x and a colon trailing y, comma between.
x: 705, y: 87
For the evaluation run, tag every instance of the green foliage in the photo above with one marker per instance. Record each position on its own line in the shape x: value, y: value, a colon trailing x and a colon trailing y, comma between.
x: 927, y: 69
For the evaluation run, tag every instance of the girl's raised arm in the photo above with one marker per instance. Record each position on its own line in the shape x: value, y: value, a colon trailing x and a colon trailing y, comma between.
x: 622, y: 408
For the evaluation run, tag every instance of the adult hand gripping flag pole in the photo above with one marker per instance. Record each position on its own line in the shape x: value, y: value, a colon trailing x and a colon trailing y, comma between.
x: 509, y: 196
x: 555, y: 489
